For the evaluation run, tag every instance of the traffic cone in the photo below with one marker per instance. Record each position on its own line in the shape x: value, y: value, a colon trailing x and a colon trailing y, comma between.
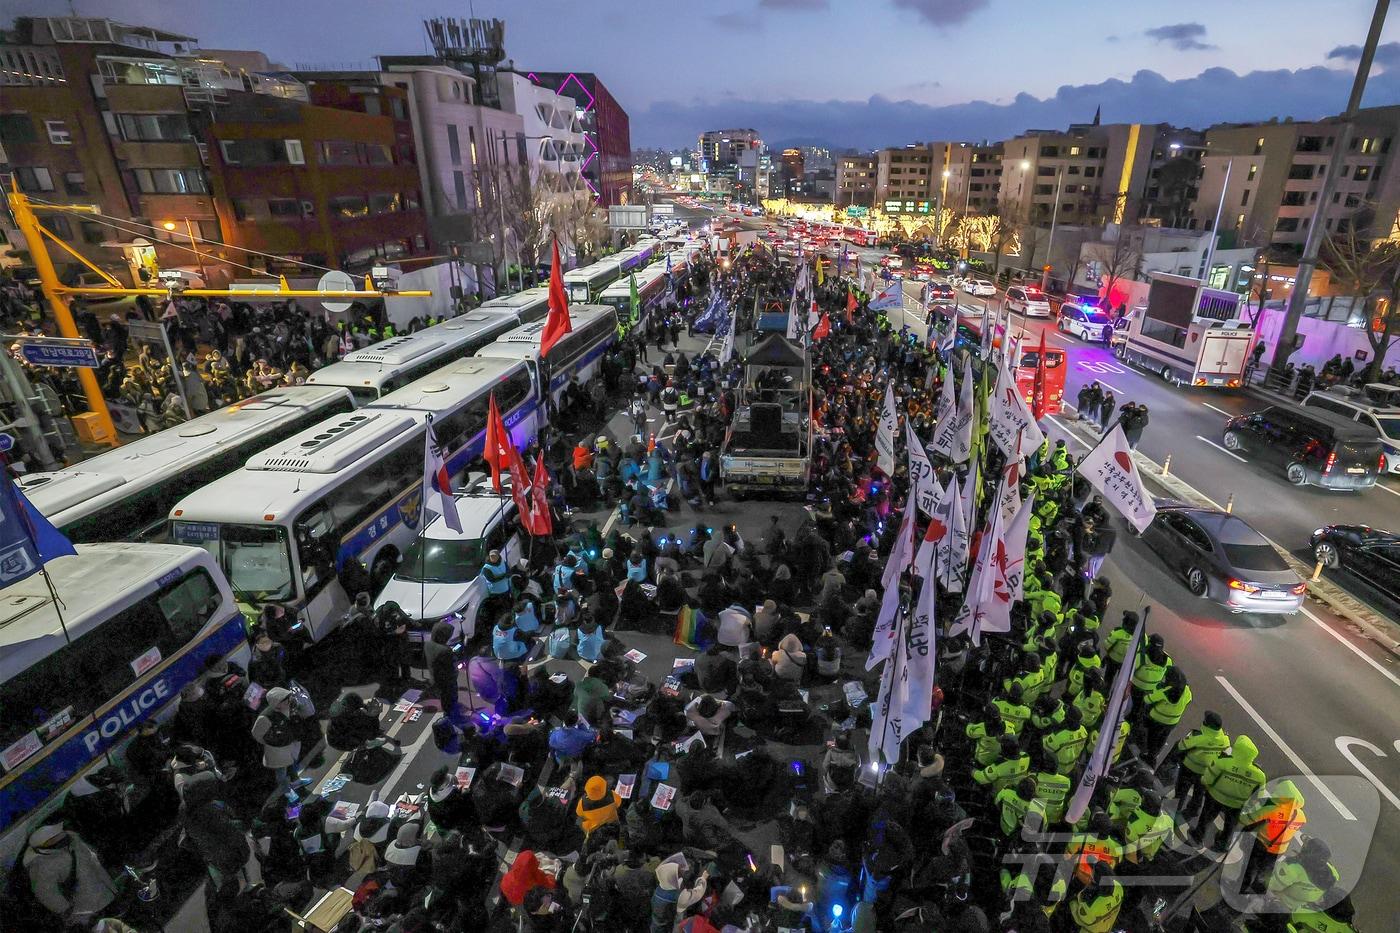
x: 651, y: 444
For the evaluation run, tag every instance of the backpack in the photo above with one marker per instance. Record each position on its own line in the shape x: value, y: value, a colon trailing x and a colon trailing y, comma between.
x: 560, y: 643
x: 279, y: 732
x: 370, y: 764
x: 445, y: 734
x: 364, y: 857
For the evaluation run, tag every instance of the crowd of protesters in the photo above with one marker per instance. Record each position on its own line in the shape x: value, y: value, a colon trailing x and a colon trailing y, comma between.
x: 598, y: 799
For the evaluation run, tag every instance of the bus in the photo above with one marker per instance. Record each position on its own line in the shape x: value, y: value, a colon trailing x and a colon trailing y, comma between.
x: 350, y: 488
x: 138, y: 623
x: 125, y: 494
x: 651, y: 286
x: 585, y: 284
x: 391, y: 364
x: 638, y: 254
x: 530, y: 305
x: 578, y: 354
x: 1028, y: 370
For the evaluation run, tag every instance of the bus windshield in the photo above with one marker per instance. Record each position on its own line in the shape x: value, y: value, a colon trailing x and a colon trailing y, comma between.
x: 432, y: 560
x: 254, y: 558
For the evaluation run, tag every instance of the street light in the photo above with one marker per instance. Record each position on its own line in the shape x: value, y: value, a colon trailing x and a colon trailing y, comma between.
x: 169, y: 227
x: 938, y: 213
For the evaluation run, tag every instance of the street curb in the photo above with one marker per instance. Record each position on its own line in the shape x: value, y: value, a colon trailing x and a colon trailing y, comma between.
x: 1384, y: 633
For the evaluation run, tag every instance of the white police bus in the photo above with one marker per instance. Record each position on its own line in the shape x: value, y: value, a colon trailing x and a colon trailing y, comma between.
x: 125, y: 494
x: 586, y: 283
x: 391, y: 364
x: 139, y: 622
x: 578, y: 353
x: 652, y: 285
x: 347, y: 489
x: 530, y: 305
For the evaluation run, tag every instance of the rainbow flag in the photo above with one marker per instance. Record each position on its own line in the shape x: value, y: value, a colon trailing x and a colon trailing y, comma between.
x: 690, y: 629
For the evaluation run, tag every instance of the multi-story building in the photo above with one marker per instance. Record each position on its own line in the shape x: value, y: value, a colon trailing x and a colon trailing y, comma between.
x: 855, y: 181
x: 332, y: 183
x: 719, y: 148
x: 607, y: 166
x: 1276, y: 171
x: 1101, y: 172
x: 555, y: 144
x: 904, y: 179
x: 973, y: 180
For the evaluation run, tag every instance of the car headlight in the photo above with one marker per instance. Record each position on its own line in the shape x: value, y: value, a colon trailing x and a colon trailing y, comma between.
x: 1317, y: 533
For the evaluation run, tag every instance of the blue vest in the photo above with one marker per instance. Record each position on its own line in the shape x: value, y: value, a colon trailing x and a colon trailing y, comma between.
x: 506, y: 646
x: 637, y: 572
x: 590, y: 647
x: 498, y: 586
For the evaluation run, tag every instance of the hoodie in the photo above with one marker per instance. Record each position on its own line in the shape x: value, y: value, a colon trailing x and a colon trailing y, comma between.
x: 790, y: 661
x: 1232, y: 779
x: 668, y: 884
x: 1277, y: 817
x: 598, y: 806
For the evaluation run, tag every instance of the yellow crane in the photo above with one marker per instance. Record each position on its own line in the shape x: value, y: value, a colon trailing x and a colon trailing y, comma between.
x: 96, y: 426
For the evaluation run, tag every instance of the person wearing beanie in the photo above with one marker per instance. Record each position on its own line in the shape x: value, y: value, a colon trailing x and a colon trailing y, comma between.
x: 598, y: 807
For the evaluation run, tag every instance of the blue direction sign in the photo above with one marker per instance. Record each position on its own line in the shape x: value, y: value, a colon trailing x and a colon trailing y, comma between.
x: 6, y: 442
x: 77, y: 353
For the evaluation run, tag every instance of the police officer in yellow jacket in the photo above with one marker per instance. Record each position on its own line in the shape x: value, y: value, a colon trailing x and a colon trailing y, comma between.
x: 1147, y: 830
x: 1230, y: 781
x: 1196, y: 752
x: 1067, y: 742
x: 1022, y: 813
x: 986, y: 735
x: 1013, y: 709
x: 1276, y: 817
x: 1011, y: 765
x: 1165, y: 707
x: 1095, y: 907
x: 1051, y: 788
x: 1337, y: 918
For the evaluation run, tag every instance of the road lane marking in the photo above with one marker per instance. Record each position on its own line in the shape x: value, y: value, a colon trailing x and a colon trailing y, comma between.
x: 1344, y: 744
x: 1387, y: 489
x: 1389, y: 675
x: 1107, y: 386
x: 1221, y: 449
x: 1287, y: 750
x: 1068, y: 433
x: 1221, y: 410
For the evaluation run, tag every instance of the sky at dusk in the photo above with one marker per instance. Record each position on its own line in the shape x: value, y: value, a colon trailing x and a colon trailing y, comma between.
x: 862, y: 73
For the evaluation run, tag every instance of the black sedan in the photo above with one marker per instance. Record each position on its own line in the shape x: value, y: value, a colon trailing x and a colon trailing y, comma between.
x: 1369, y: 554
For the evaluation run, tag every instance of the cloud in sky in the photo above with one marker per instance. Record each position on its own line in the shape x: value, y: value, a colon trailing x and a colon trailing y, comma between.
x: 1215, y: 95
x: 1387, y: 54
x: 1184, y: 37
x: 795, y: 5
x: 943, y: 12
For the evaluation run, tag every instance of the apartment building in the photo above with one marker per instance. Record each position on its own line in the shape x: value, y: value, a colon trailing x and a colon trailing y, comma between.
x: 855, y: 181
x: 719, y: 148
x: 1272, y: 174
x: 904, y: 179
x: 973, y: 182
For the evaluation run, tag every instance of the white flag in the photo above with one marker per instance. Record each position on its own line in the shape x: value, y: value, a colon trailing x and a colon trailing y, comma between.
x: 987, y: 599
x: 921, y: 653
x: 945, y: 417
x: 939, y: 527
x: 962, y: 423
x: 956, y: 546
x: 794, y: 326
x: 726, y: 350
x: 900, y: 556
x: 1110, y: 469
x: 437, y: 484
x: 1108, y: 730
x: 921, y: 478
x: 887, y: 716
x: 891, y: 296
x: 884, y: 435
x: 1010, y: 423
x: 1010, y: 491
x: 1017, y: 532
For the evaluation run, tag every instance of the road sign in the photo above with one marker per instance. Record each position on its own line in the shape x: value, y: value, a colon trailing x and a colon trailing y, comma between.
x: 6, y: 442
x: 59, y: 352
x: 336, y: 281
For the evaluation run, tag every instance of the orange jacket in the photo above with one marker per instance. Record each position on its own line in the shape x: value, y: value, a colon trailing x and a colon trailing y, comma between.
x: 1278, y: 818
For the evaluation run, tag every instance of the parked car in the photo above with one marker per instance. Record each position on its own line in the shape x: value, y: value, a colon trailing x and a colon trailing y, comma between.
x: 980, y: 288
x: 1374, y: 405
x: 1222, y: 558
x: 1028, y: 300
x: 439, y: 574
x: 1085, y: 322
x: 941, y: 293
x: 1369, y: 554
x: 1309, y: 445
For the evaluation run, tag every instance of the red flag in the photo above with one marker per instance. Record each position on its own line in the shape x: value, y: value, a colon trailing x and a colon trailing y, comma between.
x: 541, y: 520
x: 558, y: 323
x: 498, y: 448
x: 1038, y: 393
x: 520, y: 488
x: 850, y: 305
x: 823, y: 328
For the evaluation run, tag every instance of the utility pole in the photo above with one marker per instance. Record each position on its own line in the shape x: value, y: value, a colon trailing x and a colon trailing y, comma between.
x: 1298, y: 300
x: 101, y: 430
x: 1054, y: 216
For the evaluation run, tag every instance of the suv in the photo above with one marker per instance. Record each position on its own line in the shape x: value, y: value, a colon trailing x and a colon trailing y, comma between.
x: 1310, y: 445
x: 1027, y: 300
x: 1374, y: 406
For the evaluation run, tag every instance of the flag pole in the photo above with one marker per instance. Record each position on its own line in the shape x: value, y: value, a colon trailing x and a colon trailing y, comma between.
x: 23, y: 515
x: 423, y: 530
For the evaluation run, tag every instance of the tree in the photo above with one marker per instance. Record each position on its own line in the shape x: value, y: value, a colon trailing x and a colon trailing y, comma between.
x: 1122, y: 260
x: 1367, y: 271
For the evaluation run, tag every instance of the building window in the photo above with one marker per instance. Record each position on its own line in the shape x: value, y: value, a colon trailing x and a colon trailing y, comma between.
x: 295, y: 154
x: 154, y: 127
x: 1287, y: 225
x: 210, y: 230
x: 1044, y: 189
x: 246, y: 209
x: 254, y: 152
x: 58, y: 133
x: 1074, y: 170
x: 385, y: 203
x: 284, y: 208
x: 1259, y: 145
x: 1353, y: 200
x: 1309, y: 144
x: 1045, y: 171
x: 412, y: 201
x: 33, y: 178
x: 60, y: 226
x: 92, y: 233
x: 471, y: 146
x: 1239, y: 221
x: 136, y: 72
x: 170, y: 181
x: 338, y: 152
x: 1253, y: 170
x: 1293, y: 199
x: 1090, y: 171
x: 1244, y: 198
x: 348, y: 206
x: 454, y: 145
x: 1074, y: 150
x: 459, y: 184
x: 16, y: 128
x: 1301, y: 172
x: 1049, y: 152
x: 1361, y: 173
x: 75, y: 183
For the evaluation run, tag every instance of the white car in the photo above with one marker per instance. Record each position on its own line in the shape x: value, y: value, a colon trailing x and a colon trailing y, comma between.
x: 1027, y: 300
x: 438, y: 578
x: 979, y: 288
x: 1085, y: 322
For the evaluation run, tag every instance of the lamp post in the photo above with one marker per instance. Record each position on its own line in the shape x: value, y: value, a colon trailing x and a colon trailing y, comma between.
x: 938, y: 213
x: 169, y: 227
x: 1054, y: 216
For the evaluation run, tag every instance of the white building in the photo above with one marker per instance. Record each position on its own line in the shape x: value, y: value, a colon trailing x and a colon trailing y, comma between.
x: 552, y: 135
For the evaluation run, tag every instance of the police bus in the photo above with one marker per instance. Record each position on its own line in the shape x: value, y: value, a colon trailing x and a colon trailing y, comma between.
x: 585, y: 284
x: 126, y: 494
x: 391, y: 364
x: 530, y: 305
x: 652, y: 284
x: 578, y: 354
x: 347, y: 489
x: 638, y: 254
x: 139, y: 622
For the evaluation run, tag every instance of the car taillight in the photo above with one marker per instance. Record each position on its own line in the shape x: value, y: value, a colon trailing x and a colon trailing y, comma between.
x: 1380, y: 464
x: 1298, y: 590
x: 1243, y: 586
x: 1331, y: 462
